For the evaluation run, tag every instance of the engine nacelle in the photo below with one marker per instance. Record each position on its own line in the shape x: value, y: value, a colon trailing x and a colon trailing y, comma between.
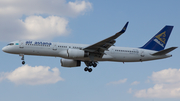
x: 75, y: 53
x: 70, y: 63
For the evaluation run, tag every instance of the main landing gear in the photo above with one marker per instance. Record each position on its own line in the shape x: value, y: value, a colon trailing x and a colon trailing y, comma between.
x: 88, y: 69
x: 22, y: 55
x: 88, y: 64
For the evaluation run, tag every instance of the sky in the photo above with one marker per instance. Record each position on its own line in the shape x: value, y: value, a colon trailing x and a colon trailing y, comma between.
x: 87, y: 22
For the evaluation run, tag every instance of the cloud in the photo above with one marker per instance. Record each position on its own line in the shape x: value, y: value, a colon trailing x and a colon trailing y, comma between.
x: 160, y: 91
x: 37, y: 19
x: 78, y: 6
x: 166, y: 76
x: 51, y: 7
x: 167, y: 85
x: 38, y: 27
x: 32, y: 75
x: 117, y: 82
x: 135, y: 83
x: 130, y: 90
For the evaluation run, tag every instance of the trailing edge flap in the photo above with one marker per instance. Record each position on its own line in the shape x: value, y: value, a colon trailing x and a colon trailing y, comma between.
x: 163, y: 52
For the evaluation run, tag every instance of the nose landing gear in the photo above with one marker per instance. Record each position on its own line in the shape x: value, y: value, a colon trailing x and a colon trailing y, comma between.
x: 23, y: 62
x: 22, y: 55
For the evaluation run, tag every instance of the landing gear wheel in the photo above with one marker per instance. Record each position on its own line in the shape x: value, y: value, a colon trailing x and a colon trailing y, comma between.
x: 86, y: 69
x: 90, y: 64
x: 94, y: 65
x: 23, y: 62
x: 90, y: 70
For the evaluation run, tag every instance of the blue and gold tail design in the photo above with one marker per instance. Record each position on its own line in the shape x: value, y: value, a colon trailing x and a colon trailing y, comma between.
x: 158, y: 42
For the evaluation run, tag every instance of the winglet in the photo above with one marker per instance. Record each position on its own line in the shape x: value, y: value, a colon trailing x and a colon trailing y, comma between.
x: 124, y: 28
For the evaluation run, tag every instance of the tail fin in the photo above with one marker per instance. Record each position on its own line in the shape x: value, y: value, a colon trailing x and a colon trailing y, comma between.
x: 158, y: 42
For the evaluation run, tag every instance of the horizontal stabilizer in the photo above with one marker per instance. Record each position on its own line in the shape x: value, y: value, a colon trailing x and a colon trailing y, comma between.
x: 163, y: 52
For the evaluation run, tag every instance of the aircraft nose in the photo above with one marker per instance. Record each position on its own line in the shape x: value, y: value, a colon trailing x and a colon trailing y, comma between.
x: 4, y: 49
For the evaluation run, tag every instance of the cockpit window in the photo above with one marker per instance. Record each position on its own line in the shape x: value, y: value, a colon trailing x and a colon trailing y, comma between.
x: 11, y: 44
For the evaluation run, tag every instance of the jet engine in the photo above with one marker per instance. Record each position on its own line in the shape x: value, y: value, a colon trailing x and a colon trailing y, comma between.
x: 70, y: 63
x: 75, y: 53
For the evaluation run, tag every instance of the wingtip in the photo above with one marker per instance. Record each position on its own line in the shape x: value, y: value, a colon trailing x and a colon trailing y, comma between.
x: 124, y: 28
x: 126, y: 24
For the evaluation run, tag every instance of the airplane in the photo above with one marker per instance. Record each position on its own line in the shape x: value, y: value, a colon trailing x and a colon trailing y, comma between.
x: 73, y: 54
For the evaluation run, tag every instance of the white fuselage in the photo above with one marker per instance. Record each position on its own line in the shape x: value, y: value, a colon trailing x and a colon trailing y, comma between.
x: 55, y: 49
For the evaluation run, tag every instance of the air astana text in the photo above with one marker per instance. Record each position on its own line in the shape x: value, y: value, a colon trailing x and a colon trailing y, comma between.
x: 38, y: 43
x: 157, y: 41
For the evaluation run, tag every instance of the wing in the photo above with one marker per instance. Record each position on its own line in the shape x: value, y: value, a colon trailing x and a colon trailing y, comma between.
x: 100, y: 47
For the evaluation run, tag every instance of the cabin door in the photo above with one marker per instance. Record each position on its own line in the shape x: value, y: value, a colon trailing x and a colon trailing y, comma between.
x: 54, y: 46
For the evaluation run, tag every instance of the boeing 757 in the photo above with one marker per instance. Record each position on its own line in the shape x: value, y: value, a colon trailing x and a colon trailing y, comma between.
x: 73, y: 54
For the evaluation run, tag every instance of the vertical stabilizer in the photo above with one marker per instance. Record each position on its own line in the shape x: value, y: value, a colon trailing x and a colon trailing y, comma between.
x: 158, y: 42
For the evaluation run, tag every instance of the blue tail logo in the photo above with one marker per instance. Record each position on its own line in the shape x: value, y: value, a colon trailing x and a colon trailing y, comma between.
x: 158, y: 42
